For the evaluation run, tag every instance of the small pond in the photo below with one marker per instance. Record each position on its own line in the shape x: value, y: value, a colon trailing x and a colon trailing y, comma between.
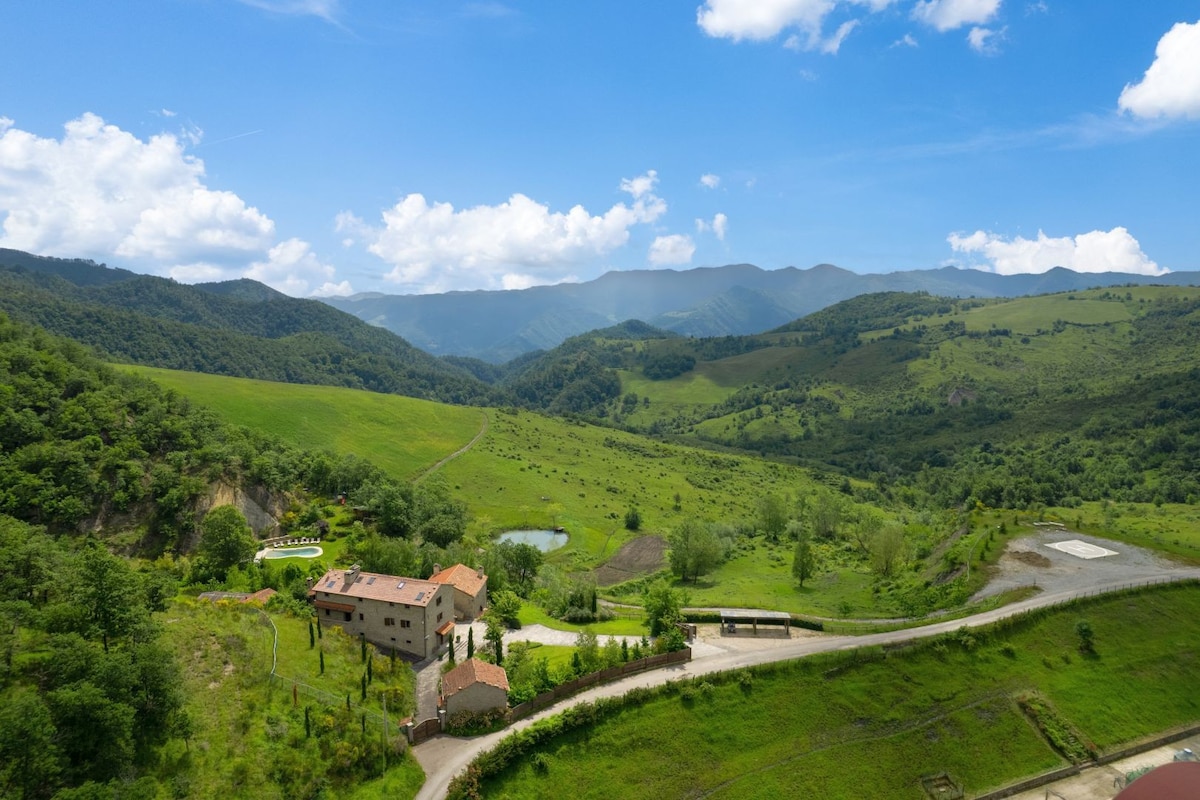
x: 294, y: 552
x: 542, y: 540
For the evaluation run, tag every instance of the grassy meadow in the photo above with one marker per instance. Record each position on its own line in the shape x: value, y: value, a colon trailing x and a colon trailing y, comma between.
x: 402, y: 435
x: 536, y: 471
x: 943, y: 706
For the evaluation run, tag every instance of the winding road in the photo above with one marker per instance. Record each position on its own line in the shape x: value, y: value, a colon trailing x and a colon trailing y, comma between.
x: 444, y: 756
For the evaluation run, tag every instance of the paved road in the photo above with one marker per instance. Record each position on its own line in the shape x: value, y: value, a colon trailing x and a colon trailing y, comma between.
x: 443, y: 757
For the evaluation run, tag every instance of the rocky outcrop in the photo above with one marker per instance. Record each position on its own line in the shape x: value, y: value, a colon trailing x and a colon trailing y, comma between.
x: 261, y: 508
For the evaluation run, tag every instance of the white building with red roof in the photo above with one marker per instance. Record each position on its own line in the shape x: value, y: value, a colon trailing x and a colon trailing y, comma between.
x: 474, y: 686
x: 414, y: 616
x: 470, y: 589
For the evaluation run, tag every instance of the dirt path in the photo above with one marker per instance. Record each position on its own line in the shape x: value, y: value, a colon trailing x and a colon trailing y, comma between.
x: 445, y: 756
x: 482, y: 430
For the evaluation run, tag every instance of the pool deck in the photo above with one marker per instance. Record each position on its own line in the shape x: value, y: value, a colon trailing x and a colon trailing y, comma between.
x: 297, y: 544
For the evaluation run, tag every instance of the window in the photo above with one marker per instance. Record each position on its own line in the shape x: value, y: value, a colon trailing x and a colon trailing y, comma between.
x: 439, y: 619
x: 360, y: 616
x: 389, y: 621
x: 404, y: 623
x: 439, y: 602
x: 327, y: 612
x: 348, y: 617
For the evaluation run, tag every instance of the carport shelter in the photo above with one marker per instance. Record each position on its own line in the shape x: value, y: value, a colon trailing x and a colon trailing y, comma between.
x: 732, y: 616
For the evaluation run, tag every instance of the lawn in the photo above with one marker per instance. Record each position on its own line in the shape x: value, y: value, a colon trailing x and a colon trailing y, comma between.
x: 943, y: 706
x: 622, y: 626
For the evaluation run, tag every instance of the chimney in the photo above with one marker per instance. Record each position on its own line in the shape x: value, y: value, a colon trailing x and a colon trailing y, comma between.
x: 352, y: 573
x: 479, y: 572
x: 437, y: 568
x: 308, y: 582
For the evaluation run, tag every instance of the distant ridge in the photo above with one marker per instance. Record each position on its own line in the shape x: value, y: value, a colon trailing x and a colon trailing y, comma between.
x: 736, y: 299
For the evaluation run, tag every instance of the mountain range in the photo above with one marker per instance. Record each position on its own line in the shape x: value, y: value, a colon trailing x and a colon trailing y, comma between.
x: 736, y: 299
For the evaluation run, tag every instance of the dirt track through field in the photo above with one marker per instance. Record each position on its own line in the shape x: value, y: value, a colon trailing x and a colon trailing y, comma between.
x: 482, y: 430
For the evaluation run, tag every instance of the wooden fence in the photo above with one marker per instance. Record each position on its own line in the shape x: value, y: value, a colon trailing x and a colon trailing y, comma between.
x: 596, y: 678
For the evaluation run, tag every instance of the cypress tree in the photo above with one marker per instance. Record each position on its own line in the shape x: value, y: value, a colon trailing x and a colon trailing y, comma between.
x: 312, y: 637
x: 322, y: 652
x: 470, y: 643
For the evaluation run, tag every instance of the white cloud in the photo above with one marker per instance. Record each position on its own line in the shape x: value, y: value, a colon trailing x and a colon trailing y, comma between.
x: 832, y: 44
x: 325, y: 9
x: 291, y: 267
x: 1097, y: 251
x: 759, y: 20
x: 710, y: 181
x: 906, y: 40
x: 985, y: 41
x: 434, y: 247
x: 719, y: 225
x: 641, y: 185
x: 946, y: 15
x: 100, y: 191
x: 1171, y: 86
x: 674, y: 249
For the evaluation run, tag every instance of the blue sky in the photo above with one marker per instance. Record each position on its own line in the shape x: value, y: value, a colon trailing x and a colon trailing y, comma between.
x: 330, y: 146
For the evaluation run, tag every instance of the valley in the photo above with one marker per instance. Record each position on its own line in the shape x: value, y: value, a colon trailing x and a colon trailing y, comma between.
x: 881, y: 465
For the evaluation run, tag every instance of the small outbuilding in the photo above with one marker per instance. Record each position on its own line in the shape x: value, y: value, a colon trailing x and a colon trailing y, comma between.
x: 470, y: 589
x: 474, y: 686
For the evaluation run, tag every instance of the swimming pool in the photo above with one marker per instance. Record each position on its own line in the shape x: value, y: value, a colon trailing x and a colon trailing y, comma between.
x: 294, y: 552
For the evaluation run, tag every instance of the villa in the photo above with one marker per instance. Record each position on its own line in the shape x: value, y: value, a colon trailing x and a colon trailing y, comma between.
x: 414, y: 616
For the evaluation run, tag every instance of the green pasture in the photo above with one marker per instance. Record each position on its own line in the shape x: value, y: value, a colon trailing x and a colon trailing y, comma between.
x: 1028, y: 314
x: 402, y: 435
x: 841, y: 726
x: 532, y: 471
x: 759, y: 575
x: 249, y: 738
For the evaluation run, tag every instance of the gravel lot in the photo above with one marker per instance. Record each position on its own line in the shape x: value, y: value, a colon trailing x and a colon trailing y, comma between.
x: 1029, y: 562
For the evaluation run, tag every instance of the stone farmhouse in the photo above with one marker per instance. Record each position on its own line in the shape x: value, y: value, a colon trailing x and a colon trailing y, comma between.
x: 470, y: 589
x: 414, y: 616
x: 474, y: 686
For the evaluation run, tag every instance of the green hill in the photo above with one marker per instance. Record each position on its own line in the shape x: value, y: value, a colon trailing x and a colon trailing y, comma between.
x: 241, y: 328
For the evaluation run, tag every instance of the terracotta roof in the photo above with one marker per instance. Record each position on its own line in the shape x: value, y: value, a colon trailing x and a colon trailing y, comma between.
x: 373, y: 586
x: 461, y: 577
x: 1177, y: 780
x: 446, y: 627
x: 473, y: 671
x: 261, y: 596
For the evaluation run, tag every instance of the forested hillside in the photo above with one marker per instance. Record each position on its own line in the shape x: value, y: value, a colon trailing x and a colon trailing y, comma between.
x: 102, y: 477
x: 241, y: 328
x: 1051, y: 399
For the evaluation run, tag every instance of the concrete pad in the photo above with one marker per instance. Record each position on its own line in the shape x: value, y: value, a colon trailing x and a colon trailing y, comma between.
x: 1081, y: 549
